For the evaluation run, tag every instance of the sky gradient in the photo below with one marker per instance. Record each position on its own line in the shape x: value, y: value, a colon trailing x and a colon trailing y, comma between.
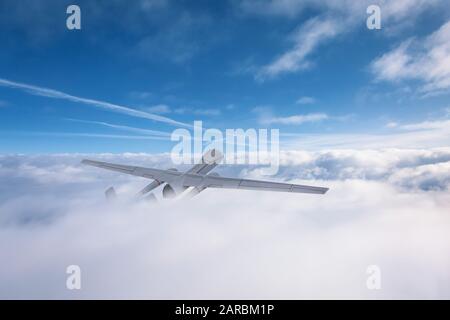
x: 309, y: 68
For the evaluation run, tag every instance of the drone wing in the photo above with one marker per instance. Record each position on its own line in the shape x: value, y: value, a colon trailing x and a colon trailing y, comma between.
x: 150, y: 173
x: 210, y: 181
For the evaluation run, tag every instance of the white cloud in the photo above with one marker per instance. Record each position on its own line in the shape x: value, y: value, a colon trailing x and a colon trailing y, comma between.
x: 198, y: 112
x: 410, y: 139
x: 163, y: 108
x: 392, y: 66
x: 332, y: 164
x: 392, y: 124
x: 296, y: 119
x: 160, y: 108
x: 335, y: 18
x: 310, y: 35
x: 426, y: 134
x: 306, y: 100
x: 392, y: 11
x: 407, y: 10
x: 50, y: 93
x: 371, y: 164
x: 426, y: 60
x: 443, y: 125
x: 303, y: 246
x: 266, y: 116
x: 425, y: 177
x: 88, y: 135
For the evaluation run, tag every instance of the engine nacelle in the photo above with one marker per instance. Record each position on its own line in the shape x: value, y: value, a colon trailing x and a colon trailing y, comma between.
x: 168, y: 192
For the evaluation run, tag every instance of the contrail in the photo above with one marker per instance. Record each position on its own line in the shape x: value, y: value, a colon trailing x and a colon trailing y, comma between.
x: 154, y: 133
x: 89, y: 135
x: 50, y: 93
x: 125, y: 128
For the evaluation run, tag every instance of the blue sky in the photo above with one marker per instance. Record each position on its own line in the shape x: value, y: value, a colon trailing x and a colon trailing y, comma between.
x: 304, y: 67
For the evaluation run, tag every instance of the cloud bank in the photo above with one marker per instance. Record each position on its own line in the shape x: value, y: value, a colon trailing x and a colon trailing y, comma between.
x: 385, y: 207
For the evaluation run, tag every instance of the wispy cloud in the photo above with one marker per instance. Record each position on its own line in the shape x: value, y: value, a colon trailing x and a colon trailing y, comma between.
x: 89, y: 135
x: 306, y: 100
x: 391, y: 124
x: 426, y: 125
x: 425, y: 134
x: 426, y: 60
x: 393, y: 11
x: 50, y: 93
x: 163, y: 108
x: 334, y: 18
x: 159, y: 108
x: 296, y: 119
x: 310, y: 35
x: 198, y: 111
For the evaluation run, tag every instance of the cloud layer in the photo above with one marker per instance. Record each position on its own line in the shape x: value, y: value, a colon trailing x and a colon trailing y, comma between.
x: 388, y: 208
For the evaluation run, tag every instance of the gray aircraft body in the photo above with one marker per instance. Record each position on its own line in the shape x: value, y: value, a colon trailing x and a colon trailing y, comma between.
x: 197, y: 179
